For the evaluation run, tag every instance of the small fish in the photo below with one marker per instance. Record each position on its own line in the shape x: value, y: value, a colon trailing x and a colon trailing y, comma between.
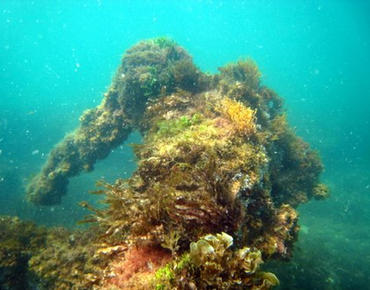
x: 35, y: 152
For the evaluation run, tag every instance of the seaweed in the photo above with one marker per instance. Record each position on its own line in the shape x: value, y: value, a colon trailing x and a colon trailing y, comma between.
x: 243, y: 71
x: 243, y: 118
x: 210, y: 263
x: 149, y: 69
x: 218, y: 160
x: 19, y: 241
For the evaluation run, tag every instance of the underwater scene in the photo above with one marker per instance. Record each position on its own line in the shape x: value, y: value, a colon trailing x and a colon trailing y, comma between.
x: 184, y: 144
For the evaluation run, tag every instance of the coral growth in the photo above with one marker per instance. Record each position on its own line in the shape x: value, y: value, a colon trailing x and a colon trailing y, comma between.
x: 218, y: 157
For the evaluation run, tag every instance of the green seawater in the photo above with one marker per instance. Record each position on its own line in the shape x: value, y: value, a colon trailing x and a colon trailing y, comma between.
x: 58, y: 57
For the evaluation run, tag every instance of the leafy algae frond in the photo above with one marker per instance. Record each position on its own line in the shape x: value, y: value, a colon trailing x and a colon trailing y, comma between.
x: 210, y: 263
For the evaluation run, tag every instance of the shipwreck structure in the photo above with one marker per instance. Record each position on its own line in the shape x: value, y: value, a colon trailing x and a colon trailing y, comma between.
x: 219, y: 176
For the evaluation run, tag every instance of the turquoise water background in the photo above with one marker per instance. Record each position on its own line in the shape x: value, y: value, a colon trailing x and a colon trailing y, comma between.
x: 58, y: 57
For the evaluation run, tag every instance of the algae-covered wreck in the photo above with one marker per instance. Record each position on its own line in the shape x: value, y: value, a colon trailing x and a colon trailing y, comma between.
x: 219, y: 176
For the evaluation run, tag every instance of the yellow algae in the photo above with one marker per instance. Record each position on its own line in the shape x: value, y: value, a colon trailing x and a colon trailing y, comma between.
x: 243, y: 118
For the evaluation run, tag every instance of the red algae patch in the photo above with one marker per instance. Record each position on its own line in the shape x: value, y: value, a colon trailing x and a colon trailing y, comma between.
x: 138, y: 262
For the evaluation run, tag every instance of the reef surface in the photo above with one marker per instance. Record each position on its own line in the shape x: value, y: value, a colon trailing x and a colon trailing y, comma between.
x: 220, y: 174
